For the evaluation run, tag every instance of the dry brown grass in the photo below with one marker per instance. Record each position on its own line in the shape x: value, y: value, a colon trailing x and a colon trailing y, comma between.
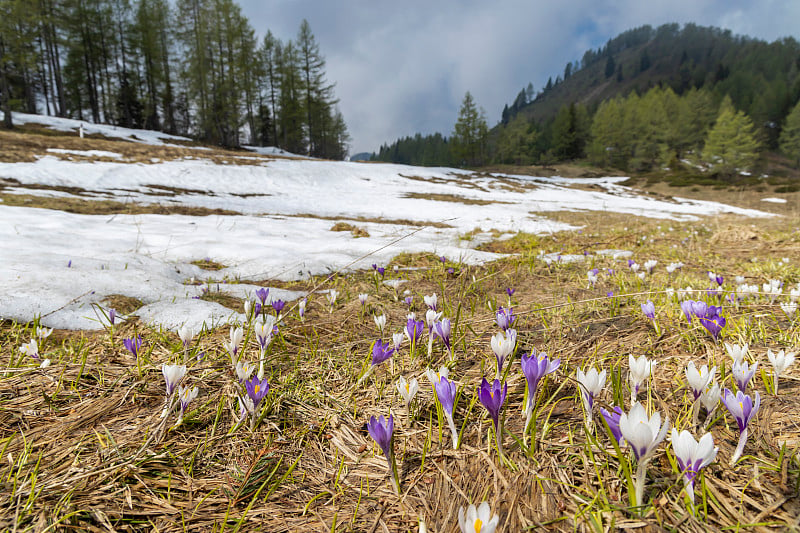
x: 88, y: 425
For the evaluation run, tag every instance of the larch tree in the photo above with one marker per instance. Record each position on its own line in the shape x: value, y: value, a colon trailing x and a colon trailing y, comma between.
x: 731, y: 144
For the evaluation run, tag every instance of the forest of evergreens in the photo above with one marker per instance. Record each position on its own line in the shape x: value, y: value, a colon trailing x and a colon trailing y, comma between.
x: 649, y: 98
x: 189, y: 67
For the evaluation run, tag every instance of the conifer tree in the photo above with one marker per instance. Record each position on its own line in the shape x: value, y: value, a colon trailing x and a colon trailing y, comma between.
x: 469, y: 134
x: 790, y: 136
x: 731, y: 144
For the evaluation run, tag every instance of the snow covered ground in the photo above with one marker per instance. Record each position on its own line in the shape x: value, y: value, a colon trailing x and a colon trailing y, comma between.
x: 61, y: 266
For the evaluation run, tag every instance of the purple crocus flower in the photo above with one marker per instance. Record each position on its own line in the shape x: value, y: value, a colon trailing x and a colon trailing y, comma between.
x: 492, y: 397
x: 719, y: 280
x: 257, y: 309
x: 610, y: 294
x: 414, y: 329
x: 510, y: 291
x: 69, y: 264
x: 381, y: 352
x: 133, y: 344
x: 112, y: 316
x: 256, y: 390
x: 374, y: 266
x: 631, y: 262
x: 743, y: 373
x: 408, y: 300
x: 742, y: 407
x: 687, y: 307
x: 381, y: 271
x: 278, y: 306
x: 443, y: 259
x: 713, y: 324
x: 612, y: 419
x: 536, y: 366
x: 451, y: 270
x: 699, y: 308
x: 505, y: 317
x: 649, y: 310
x: 442, y: 329
x: 262, y: 295
x: 446, y: 392
x: 381, y: 431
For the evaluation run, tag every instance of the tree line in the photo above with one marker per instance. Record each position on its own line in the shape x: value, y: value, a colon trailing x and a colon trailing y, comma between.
x: 649, y: 97
x: 634, y: 133
x: 189, y: 67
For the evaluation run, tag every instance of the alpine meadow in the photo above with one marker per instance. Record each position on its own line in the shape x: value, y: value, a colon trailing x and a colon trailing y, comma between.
x: 580, y: 316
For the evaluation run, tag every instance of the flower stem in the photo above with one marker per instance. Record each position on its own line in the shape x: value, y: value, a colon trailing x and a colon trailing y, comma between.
x: 366, y: 374
x: 498, y: 437
x: 740, y: 447
x: 393, y: 474
x: 453, y: 430
x: 641, y: 476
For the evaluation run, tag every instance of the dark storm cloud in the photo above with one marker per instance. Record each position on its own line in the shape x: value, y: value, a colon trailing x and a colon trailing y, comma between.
x: 403, y: 67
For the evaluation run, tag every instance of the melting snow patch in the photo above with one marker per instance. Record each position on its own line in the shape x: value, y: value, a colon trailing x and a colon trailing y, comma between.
x: 774, y: 200
x: 87, y: 153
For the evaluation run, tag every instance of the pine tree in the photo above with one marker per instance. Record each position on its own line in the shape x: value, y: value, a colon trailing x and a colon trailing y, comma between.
x: 469, y: 134
x: 731, y: 145
x: 789, y: 141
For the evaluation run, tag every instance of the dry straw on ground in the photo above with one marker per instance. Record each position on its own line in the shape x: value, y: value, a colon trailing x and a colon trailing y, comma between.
x: 83, y: 446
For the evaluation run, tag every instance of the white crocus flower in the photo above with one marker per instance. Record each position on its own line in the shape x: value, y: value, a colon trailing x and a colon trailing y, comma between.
x: 794, y: 294
x: 186, y: 334
x: 592, y: 277
x: 432, y: 316
x: 670, y: 292
x: 789, y: 308
x: 244, y: 370
x: 737, y: 353
x: 435, y: 377
x: 643, y: 435
x: 43, y: 333
x: 698, y: 379
x: 31, y: 349
x: 407, y: 389
x: 248, y: 307
x: 173, y: 374
x: 185, y: 395
x: 503, y: 345
x: 380, y: 322
x: 692, y: 456
x: 477, y: 520
x: 363, y: 297
x: 710, y: 400
x: 45, y: 363
x: 780, y: 362
x: 431, y: 301
x: 591, y: 384
x: 640, y: 370
x: 650, y: 264
x: 397, y: 340
x: 331, y: 296
x: 237, y: 334
x: 772, y: 289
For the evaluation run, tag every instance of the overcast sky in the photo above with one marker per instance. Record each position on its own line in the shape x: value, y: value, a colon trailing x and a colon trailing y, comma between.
x: 402, y: 67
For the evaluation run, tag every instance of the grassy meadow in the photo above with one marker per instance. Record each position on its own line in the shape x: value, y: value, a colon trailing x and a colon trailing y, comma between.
x: 85, y: 448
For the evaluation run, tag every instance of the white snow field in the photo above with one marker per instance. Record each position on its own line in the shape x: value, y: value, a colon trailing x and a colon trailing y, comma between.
x: 60, y: 266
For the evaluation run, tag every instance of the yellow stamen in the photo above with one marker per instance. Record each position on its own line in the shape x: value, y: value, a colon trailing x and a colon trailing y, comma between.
x: 408, y: 391
x: 478, y: 525
x: 256, y: 388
